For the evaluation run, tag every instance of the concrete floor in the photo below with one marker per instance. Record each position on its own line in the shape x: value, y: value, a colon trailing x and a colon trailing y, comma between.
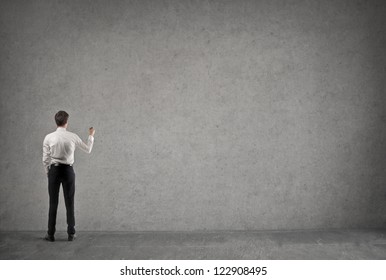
x: 269, y: 245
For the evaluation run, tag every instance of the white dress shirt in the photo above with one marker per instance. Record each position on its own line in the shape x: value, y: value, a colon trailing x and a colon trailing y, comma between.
x: 59, y: 147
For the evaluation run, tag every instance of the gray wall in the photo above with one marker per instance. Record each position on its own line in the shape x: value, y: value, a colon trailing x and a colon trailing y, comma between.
x: 210, y: 115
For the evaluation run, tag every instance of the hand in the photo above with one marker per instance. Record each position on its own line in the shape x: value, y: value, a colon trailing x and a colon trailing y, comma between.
x: 91, y: 131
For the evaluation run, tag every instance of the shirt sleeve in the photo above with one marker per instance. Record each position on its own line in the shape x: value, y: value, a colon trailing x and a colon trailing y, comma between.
x: 86, y: 147
x: 46, y: 154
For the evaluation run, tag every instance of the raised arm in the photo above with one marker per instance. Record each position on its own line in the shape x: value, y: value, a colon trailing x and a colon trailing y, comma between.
x: 86, y: 147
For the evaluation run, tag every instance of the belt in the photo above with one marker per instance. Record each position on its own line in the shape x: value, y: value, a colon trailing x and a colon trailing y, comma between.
x: 60, y: 164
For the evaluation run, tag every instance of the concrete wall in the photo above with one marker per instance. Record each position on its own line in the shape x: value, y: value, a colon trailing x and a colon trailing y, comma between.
x: 209, y: 115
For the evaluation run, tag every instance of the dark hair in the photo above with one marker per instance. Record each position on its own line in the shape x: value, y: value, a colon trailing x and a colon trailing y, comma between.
x: 61, y: 118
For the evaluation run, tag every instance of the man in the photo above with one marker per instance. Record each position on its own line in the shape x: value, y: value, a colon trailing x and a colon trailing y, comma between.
x: 58, y: 158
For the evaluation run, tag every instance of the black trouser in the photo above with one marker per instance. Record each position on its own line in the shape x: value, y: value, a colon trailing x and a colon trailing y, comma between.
x: 65, y: 175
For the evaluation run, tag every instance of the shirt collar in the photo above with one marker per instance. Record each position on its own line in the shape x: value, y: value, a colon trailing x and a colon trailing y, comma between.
x: 61, y: 129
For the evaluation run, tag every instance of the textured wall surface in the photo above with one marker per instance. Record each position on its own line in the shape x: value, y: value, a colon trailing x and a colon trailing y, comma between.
x: 209, y: 115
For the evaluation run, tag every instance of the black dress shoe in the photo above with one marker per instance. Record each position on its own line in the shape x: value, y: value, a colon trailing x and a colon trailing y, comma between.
x: 50, y: 238
x: 71, y: 237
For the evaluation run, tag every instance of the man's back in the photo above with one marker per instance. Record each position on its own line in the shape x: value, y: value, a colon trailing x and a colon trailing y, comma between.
x: 59, y: 146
